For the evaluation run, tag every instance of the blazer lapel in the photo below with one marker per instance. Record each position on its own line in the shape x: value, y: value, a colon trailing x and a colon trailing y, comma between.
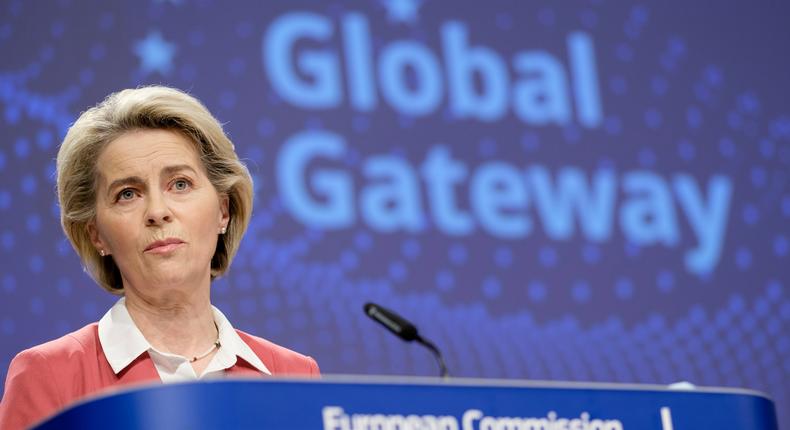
x: 140, y: 370
x: 242, y: 368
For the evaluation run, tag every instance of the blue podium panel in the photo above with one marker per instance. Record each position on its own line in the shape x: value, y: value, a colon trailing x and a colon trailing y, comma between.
x: 350, y: 404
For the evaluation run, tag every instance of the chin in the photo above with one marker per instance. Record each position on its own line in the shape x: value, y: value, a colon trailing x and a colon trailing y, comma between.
x: 166, y: 276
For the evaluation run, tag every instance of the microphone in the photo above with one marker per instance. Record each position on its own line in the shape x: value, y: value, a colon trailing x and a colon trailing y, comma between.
x: 404, y: 330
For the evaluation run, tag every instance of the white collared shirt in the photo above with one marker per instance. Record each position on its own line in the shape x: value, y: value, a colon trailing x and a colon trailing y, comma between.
x: 123, y: 342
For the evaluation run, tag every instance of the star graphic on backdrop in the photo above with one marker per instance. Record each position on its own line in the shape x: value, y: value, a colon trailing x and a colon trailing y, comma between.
x: 403, y: 11
x: 156, y: 54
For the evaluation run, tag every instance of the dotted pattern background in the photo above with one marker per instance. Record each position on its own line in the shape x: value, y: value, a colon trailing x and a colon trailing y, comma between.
x: 698, y: 88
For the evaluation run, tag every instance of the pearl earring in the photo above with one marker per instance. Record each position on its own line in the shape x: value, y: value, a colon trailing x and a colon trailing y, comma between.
x: 101, y: 252
x: 224, y: 229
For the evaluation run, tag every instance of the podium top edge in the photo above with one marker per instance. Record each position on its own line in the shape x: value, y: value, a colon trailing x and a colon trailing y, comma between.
x: 452, y: 382
x: 524, y: 383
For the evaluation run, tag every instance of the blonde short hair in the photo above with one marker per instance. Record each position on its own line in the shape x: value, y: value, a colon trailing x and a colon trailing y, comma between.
x: 153, y: 107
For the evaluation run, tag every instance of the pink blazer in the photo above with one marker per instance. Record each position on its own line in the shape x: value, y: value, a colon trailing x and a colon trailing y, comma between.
x: 44, y: 379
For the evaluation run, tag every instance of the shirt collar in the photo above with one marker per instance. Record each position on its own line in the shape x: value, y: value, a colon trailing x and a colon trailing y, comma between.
x: 120, y: 338
x: 233, y: 346
x: 123, y: 342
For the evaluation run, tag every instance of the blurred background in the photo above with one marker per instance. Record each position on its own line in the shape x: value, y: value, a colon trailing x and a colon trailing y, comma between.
x: 584, y: 191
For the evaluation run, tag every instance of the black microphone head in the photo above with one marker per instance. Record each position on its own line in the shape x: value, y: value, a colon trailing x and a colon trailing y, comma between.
x: 392, y: 321
x: 404, y: 330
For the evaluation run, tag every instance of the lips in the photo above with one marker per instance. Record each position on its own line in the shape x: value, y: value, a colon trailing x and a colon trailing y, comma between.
x: 166, y: 245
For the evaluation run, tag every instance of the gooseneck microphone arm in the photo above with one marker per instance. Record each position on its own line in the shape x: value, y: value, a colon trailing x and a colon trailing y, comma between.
x: 405, y: 330
x: 436, y: 353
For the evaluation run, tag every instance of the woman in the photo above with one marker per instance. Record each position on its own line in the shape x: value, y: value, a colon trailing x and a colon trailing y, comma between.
x: 155, y: 202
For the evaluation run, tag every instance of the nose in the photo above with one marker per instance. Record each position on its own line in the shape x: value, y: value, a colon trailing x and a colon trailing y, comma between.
x: 158, y: 212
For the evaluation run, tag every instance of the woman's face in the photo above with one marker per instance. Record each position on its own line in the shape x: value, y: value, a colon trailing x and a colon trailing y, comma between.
x: 157, y: 214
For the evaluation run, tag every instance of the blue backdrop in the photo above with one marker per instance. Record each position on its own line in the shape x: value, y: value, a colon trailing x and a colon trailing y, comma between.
x: 591, y: 191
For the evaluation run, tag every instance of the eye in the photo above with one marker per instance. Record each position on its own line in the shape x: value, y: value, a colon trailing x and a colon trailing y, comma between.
x: 181, y: 184
x: 126, y: 194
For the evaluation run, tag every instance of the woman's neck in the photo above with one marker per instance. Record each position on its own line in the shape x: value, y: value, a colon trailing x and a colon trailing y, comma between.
x: 177, y: 323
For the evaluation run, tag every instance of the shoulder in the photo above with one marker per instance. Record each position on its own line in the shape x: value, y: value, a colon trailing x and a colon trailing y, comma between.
x: 71, y: 346
x: 60, y: 354
x: 38, y: 382
x: 55, y: 362
x: 280, y: 360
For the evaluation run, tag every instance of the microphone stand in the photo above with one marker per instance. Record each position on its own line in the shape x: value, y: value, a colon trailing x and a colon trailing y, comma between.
x: 405, y: 330
x: 436, y: 353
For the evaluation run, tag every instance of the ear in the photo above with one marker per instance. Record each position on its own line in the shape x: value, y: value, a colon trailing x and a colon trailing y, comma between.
x: 224, y: 212
x: 93, y: 233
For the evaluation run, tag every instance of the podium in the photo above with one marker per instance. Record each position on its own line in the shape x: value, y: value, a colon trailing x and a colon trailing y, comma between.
x: 350, y: 403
